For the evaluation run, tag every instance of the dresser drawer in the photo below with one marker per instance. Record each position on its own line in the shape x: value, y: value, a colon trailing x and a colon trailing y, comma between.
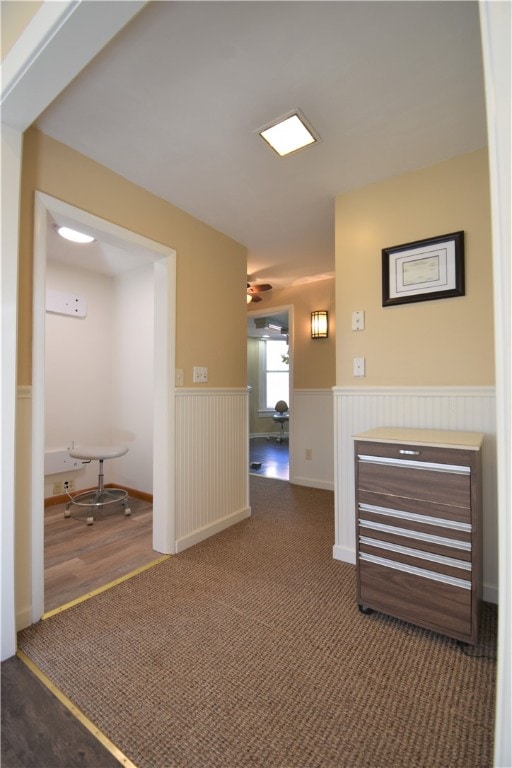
x: 413, y: 555
x: 420, y: 507
x: 406, y: 531
x: 440, y: 483
x: 443, y: 605
x: 419, y: 453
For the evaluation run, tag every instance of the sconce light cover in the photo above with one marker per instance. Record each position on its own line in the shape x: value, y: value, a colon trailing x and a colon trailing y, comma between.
x: 320, y: 324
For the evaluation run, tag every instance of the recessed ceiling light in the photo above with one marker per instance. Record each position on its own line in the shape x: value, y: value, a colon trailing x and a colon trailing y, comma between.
x: 289, y: 134
x: 72, y: 234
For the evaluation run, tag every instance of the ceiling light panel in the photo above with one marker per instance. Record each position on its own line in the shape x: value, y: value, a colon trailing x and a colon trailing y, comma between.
x: 289, y: 134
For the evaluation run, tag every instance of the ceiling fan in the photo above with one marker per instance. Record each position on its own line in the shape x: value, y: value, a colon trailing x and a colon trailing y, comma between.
x: 254, y: 290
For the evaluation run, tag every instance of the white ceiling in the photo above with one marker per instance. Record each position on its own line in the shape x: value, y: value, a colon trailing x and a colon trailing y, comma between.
x: 174, y: 103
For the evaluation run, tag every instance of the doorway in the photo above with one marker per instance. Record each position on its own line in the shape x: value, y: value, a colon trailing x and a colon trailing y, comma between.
x: 270, y: 378
x: 136, y: 250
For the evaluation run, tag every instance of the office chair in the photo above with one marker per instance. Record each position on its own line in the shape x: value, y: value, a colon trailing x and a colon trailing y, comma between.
x: 281, y: 416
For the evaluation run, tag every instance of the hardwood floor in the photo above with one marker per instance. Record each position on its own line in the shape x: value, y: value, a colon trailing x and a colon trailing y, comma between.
x: 38, y: 731
x: 80, y: 558
x: 273, y: 457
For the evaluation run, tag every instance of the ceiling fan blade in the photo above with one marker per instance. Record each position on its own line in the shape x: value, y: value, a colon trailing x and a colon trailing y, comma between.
x: 255, y: 298
x: 260, y: 288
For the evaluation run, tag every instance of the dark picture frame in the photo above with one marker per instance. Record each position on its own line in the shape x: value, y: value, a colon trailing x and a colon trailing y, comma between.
x: 423, y: 270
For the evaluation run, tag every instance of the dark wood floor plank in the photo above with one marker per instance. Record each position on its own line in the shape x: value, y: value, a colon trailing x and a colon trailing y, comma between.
x: 38, y: 731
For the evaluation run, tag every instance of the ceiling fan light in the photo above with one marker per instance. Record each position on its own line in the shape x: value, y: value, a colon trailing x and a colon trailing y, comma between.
x: 289, y: 134
x: 74, y: 235
x: 249, y: 298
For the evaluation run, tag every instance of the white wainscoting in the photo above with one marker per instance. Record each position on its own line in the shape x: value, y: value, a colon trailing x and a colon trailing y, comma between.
x: 471, y: 409
x: 312, y: 429
x: 212, y: 462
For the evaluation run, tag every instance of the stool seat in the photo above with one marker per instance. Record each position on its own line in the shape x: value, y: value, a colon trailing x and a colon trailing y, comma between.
x: 98, y: 452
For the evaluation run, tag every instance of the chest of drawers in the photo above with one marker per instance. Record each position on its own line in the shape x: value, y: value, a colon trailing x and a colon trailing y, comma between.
x: 418, y: 502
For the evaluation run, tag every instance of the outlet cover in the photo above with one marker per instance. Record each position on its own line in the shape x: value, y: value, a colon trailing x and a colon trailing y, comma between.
x: 200, y: 375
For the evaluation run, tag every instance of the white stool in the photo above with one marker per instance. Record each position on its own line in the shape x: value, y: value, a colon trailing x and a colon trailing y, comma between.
x: 101, y: 496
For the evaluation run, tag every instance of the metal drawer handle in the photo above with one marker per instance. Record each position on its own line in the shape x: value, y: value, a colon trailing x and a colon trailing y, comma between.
x: 440, y: 522
x: 407, y: 533
x: 397, y: 566
x: 409, y: 453
x: 420, y: 554
x: 452, y: 469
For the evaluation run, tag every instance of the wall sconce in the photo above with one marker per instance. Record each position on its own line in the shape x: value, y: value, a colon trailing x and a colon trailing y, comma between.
x: 320, y: 324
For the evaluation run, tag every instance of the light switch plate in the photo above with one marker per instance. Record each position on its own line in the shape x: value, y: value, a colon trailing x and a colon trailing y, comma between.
x: 358, y: 320
x: 358, y: 366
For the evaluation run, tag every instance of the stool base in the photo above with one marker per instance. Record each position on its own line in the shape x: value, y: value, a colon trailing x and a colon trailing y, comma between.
x: 96, y: 500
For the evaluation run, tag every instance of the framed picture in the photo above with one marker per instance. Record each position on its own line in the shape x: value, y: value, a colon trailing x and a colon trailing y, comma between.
x: 423, y: 270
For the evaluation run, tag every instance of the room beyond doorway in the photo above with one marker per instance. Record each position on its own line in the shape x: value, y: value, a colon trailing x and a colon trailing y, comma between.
x: 163, y: 260
x: 265, y: 326
x: 268, y: 458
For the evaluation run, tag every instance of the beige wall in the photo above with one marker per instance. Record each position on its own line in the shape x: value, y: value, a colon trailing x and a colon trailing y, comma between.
x: 314, y: 364
x: 211, y: 268
x: 436, y: 343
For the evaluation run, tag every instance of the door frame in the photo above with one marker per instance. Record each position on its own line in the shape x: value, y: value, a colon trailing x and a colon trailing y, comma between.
x: 289, y: 308
x: 163, y: 372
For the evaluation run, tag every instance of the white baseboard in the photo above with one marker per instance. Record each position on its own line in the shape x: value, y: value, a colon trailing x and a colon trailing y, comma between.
x: 311, y: 482
x: 490, y: 594
x: 269, y: 435
x: 210, y: 530
x: 345, y: 554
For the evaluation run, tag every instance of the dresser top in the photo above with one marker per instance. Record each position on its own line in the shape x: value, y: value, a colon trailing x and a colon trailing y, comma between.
x: 439, y: 438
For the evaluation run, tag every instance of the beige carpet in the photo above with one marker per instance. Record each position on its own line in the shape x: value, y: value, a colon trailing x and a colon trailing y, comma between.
x: 249, y: 650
